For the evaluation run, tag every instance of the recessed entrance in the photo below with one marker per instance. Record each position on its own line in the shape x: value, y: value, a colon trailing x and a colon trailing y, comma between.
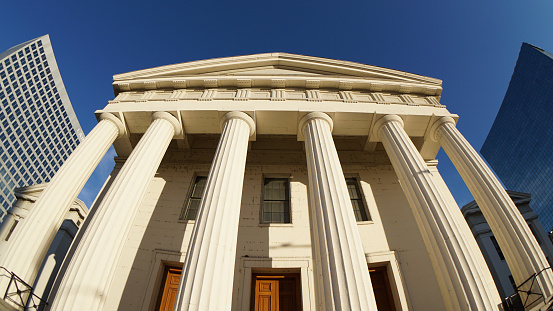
x: 170, y: 286
x: 382, y: 289
x: 274, y: 292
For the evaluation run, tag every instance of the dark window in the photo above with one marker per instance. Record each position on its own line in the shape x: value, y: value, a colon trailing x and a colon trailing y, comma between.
x: 276, y: 201
x: 513, y: 283
x: 497, y: 248
x: 193, y: 204
x: 11, y: 230
x: 357, y: 200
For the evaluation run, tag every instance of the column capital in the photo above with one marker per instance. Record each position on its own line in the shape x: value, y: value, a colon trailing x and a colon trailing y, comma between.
x: 164, y: 115
x: 239, y: 115
x: 439, y: 123
x: 115, y: 120
x: 311, y: 116
x: 385, y: 120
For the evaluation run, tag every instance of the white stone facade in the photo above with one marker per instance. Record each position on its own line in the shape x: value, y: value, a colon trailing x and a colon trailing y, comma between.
x: 340, y: 139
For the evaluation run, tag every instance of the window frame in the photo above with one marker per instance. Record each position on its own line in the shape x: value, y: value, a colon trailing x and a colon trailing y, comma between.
x: 361, y: 198
x: 498, y: 249
x: 288, y: 199
x: 186, y: 205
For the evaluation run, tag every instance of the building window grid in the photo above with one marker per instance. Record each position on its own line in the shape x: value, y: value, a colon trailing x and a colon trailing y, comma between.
x: 19, y: 78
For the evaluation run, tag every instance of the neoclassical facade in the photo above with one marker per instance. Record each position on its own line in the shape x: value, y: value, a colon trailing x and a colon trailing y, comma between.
x: 277, y: 182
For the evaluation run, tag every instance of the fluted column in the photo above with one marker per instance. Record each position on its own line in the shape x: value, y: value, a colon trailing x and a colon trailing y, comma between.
x: 208, y: 271
x: 86, y: 282
x: 338, y: 252
x: 464, y: 280
x: 522, y: 252
x: 32, y: 239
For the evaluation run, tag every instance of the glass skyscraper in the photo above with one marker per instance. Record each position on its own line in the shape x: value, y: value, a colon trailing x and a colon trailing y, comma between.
x: 519, y: 146
x: 38, y: 127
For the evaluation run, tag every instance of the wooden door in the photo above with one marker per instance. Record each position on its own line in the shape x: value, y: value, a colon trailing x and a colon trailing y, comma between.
x: 266, y: 295
x: 275, y: 292
x: 382, y: 289
x: 169, y: 289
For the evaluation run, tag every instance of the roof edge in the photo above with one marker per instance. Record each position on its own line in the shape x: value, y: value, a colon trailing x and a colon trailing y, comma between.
x: 214, y: 63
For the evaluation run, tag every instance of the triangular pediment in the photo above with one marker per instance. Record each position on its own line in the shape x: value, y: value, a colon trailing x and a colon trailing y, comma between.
x: 270, y: 71
x: 276, y: 65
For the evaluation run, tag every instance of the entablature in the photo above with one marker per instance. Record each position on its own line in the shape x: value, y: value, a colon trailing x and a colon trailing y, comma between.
x: 276, y: 82
x: 279, y: 118
x: 245, y: 94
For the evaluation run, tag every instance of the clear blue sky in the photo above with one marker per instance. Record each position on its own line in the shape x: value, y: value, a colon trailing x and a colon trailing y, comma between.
x: 471, y: 45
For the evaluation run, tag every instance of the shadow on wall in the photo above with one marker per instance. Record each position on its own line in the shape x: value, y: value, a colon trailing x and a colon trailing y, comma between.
x: 253, y: 239
x: 404, y: 236
x: 164, y: 233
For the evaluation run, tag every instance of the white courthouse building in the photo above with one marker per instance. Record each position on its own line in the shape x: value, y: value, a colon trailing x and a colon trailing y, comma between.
x: 276, y: 182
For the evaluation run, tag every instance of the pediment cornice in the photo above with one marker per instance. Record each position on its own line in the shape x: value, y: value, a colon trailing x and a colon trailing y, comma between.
x: 276, y: 70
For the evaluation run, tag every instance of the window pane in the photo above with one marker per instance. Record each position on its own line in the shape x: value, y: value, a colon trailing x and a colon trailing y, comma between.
x: 276, y: 204
x: 497, y: 248
x: 192, y: 205
x: 199, y: 187
x: 359, y: 209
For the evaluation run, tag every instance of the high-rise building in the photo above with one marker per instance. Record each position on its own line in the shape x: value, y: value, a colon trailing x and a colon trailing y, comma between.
x: 519, y: 146
x: 38, y: 127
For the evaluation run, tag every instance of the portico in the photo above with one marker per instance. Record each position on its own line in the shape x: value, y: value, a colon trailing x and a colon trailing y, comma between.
x: 322, y: 127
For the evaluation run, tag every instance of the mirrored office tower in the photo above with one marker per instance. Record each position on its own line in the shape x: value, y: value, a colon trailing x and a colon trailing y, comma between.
x: 38, y: 127
x: 520, y: 142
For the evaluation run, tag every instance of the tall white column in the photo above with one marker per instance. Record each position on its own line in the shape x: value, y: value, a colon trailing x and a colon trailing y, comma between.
x: 32, y: 239
x: 86, y: 282
x: 522, y: 252
x: 464, y: 280
x: 338, y: 251
x: 208, y: 271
